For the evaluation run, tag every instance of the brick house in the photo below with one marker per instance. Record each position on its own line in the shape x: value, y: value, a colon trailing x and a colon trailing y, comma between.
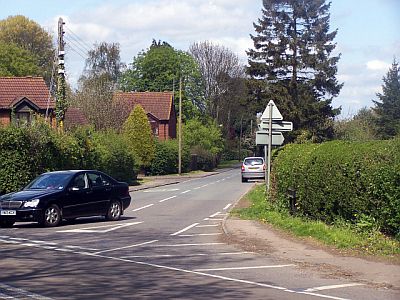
x: 159, y: 107
x: 23, y: 97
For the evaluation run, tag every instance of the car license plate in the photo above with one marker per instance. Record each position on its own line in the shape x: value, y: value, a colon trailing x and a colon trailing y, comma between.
x: 253, y: 168
x: 8, y: 212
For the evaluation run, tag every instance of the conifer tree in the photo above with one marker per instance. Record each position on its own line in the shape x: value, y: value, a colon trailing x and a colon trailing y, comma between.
x: 138, y: 134
x: 292, y: 63
x: 388, y: 106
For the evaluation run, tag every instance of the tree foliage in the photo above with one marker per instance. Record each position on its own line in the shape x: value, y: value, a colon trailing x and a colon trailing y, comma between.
x: 208, y: 136
x: 97, y: 86
x: 388, y: 105
x: 29, y: 35
x: 221, y: 70
x: 292, y: 62
x: 15, y: 61
x: 104, y: 59
x: 139, y: 137
x: 160, y: 69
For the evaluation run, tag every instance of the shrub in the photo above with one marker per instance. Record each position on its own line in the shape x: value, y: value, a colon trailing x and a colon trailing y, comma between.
x: 114, y: 157
x: 140, y: 140
x: 206, y: 160
x: 166, y: 158
x: 348, y: 180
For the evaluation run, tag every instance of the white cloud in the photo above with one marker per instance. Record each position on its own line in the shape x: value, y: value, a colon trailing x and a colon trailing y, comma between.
x: 377, y: 65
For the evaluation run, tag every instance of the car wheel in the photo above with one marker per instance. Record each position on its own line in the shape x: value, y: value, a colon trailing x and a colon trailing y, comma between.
x: 51, y: 216
x: 244, y: 179
x: 115, y: 211
x: 6, y: 223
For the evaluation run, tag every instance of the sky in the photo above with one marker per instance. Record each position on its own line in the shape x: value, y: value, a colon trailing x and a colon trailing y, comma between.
x: 368, y: 36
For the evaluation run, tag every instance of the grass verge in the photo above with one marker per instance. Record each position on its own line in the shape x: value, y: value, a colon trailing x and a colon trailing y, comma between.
x: 343, y: 237
x: 227, y: 163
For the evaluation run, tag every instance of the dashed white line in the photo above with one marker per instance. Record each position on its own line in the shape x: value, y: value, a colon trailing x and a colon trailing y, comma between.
x: 211, y: 219
x: 208, y: 225
x: 184, y: 192
x: 169, y: 198
x: 188, y: 245
x: 244, y: 268
x: 143, y: 207
x: 226, y: 207
x: 214, y: 215
x: 185, y: 229
x: 329, y: 287
x: 199, y: 234
x: 187, y: 255
x: 126, y: 247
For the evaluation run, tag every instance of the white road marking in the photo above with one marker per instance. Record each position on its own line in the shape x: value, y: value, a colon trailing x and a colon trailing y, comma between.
x: 95, y: 229
x: 204, y: 185
x: 20, y: 293
x: 126, y: 247
x: 167, y: 199
x: 208, y: 225
x: 214, y: 215
x: 283, y: 289
x: 187, y: 191
x: 143, y: 207
x: 4, y: 236
x: 18, y: 239
x: 244, y: 268
x: 82, y: 248
x: 160, y: 190
x: 329, y: 287
x: 64, y: 250
x: 44, y: 242
x: 185, y: 229
x: 185, y: 245
x: 210, y: 219
x: 187, y: 255
x: 226, y: 207
x: 196, y: 188
x: 199, y: 234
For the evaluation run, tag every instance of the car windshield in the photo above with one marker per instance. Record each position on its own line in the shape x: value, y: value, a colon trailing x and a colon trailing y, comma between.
x: 49, y: 182
x: 253, y: 161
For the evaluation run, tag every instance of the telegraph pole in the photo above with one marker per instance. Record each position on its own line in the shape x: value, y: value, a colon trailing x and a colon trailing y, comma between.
x: 60, y: 97
x: 180, y: 128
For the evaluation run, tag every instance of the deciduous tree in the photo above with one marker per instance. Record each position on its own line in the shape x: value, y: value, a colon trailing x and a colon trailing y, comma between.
x: 29, y: 35
x: 160, y: 69
x: 15, y: 61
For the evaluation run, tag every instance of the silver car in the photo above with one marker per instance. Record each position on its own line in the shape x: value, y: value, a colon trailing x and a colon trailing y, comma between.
x: 253, y: 168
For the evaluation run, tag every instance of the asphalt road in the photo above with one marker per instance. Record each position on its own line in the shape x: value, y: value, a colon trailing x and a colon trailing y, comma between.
x: 168, y: 245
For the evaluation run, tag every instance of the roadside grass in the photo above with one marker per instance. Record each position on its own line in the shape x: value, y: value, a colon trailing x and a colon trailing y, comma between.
x: 345, y: 237
x: 227, y: 163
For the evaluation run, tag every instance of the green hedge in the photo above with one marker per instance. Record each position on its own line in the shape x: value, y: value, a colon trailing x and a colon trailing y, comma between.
x: 354, y: 181
x: 166, y: 158
x: 26, y: 152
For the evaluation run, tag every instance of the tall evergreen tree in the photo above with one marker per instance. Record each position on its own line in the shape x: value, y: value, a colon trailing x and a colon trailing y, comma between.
x: 292, y: 62
x: 388, y: 106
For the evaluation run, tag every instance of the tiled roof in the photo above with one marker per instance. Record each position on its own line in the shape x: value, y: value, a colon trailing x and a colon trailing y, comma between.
x: 33, y: 88
x: 159, y: 104
x: 75, y: 117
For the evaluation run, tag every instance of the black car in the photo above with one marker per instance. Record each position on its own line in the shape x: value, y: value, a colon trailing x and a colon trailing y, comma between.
x: 54, y: 196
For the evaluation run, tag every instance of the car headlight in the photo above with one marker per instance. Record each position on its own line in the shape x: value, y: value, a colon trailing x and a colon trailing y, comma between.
x: 31, y: 203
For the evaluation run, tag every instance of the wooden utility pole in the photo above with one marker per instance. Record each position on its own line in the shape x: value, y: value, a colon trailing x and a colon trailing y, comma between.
x: 180, y: 129
x: 60, y: 98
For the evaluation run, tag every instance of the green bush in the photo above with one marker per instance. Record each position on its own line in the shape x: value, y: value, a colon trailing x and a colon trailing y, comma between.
x: 166, y: 158
x: 114, y: 157
x: 26, y: 152
x: 206, y: 160
x: 354, y: 181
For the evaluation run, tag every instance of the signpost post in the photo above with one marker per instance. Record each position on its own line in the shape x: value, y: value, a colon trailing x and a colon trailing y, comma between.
x: 270, y: 133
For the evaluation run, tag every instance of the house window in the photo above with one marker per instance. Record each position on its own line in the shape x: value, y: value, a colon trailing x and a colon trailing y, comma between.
x: 22, y: 118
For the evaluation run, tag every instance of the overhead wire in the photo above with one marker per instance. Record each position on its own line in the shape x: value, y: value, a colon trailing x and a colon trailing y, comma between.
x: 78, y: 39
x: 72, y: 45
